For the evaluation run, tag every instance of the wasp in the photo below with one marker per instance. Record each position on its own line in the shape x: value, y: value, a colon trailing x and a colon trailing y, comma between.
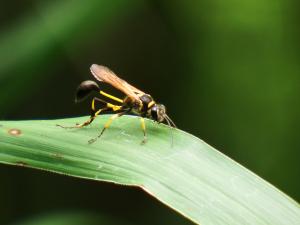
x: 136, y: 101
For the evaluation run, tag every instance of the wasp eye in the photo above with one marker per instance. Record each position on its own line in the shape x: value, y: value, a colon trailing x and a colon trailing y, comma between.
x: 158, y: 112
x: 154, y: 112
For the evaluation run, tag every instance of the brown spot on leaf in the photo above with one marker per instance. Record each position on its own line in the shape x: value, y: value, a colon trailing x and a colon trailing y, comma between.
x: 57, y: 156
x: 15, y: 132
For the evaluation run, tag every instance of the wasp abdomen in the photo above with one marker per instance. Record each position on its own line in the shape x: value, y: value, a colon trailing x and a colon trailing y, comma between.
x: 85, y: 89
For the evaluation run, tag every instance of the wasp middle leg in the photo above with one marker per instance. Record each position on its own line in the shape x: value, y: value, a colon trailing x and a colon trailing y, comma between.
x: 108, y: 123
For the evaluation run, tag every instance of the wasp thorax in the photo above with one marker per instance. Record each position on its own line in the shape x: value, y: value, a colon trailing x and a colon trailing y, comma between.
x: 158, y: 112
x: 146, y: 99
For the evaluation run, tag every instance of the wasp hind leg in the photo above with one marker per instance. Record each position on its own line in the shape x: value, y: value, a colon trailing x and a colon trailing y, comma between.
x: 94, y: 114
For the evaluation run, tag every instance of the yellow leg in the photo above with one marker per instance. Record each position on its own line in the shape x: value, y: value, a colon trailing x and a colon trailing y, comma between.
x: 106, y: 125
x: 144, y: 130
x: 90, y: 120
x: 94, y: 114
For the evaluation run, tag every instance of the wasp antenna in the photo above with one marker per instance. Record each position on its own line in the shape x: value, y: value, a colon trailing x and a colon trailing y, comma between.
x: 168, y: 118
x: 85, y: 89
x: 169, y: 123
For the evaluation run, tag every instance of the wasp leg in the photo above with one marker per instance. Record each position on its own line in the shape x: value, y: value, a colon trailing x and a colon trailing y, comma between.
x: 107, y: 124
x: 94, y: 114
x: 91, y: 119
x: 144, y: 130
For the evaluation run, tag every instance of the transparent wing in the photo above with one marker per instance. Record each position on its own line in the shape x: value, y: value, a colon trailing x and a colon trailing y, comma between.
x: 104, y: 74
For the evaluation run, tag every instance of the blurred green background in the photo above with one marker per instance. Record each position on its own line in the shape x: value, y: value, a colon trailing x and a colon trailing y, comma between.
x: 228, y: 71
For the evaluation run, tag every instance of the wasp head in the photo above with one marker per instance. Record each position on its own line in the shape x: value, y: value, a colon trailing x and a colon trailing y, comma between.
x: 158, y: 112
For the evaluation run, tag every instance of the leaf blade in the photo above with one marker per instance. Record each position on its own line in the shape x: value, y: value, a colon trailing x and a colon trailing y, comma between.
x: 191, y: 177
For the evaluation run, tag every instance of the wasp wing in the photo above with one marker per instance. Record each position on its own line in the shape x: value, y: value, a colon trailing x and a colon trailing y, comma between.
x: 135, y: 90
x: 105, y: 75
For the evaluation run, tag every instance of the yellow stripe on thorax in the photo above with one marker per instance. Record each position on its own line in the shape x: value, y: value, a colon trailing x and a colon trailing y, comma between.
x: 151, y: 104
x: 111, y: 97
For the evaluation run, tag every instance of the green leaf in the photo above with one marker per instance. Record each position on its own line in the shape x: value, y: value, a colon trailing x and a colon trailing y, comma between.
x: 191, y: 177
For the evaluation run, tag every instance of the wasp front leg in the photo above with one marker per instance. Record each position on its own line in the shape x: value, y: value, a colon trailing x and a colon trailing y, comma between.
x: 143, y: 125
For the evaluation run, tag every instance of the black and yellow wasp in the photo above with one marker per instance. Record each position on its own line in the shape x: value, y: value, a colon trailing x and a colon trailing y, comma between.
x: 136, y: 101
